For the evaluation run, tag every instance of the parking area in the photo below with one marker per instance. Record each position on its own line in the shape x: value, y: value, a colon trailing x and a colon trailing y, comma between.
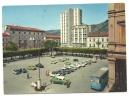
x: 80, y: 79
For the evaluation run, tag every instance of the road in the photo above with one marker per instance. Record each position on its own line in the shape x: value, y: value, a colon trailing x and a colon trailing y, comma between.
x: 80, y: 79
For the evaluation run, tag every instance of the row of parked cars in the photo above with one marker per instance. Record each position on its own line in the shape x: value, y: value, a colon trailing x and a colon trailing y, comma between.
x: 24, y: 70
x: 71, y: 68
x: 59, y: 75
x: 19, y: 71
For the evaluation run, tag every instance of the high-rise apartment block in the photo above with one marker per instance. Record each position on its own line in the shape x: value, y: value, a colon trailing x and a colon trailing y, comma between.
x: 73, y: 32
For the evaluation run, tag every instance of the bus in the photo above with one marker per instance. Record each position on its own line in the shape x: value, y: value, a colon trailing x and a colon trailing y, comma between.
x: 99, y: 79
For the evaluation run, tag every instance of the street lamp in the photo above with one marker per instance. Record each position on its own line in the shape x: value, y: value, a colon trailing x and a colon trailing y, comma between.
x: 39, y: 80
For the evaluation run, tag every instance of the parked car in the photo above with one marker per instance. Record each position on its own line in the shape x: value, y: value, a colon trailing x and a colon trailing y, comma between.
x: 23, y: 70
x: 53, y: 62
x: 71, y: 69
x: 53, y: 56
x: 77, y: 65
x: 76, y: 60
x: 31, y: 67
x: 54, y: 73
x: 67, y: 63
x: 39, y: 65
x: 56, y: 61
x: 16, y: 71
x: 61, y: 60
x: 67, y: 71
x: 88, y: 62
x: 60, y: 80
x: 83, y: 64
x: 61, y: 72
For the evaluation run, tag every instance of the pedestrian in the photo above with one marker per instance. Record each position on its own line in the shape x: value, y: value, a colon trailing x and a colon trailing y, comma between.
x: 67, y: 83
x: 27, y: 75
x: 48, y: 73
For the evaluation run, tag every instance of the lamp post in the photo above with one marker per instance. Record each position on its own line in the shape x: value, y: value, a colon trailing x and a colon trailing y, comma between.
x: 39, y: 80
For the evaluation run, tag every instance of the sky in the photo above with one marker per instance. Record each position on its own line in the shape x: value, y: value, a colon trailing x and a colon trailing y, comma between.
x: 47, y: 17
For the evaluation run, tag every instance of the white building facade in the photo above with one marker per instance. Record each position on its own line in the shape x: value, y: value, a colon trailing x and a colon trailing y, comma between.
x: 79, y: 35
x: 72, y: 30
x: 97, y: 41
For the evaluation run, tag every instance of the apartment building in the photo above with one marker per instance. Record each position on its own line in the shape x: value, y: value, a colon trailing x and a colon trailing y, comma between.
x: 25, y: 37
x: 117, y: 48
x: 72, y: 29
x: 79, y: 35
x: 98, y: 40
x: 6, y: 38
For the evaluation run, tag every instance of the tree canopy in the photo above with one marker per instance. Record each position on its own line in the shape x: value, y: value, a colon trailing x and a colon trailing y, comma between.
x: 11, y: 46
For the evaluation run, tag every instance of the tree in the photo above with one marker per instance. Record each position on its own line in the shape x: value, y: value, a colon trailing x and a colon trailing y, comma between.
x: 11, y: 46
x: 50, y: 44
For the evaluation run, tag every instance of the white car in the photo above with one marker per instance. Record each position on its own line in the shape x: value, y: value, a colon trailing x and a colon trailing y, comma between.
x: 79, y: 64
x: 54, y: 73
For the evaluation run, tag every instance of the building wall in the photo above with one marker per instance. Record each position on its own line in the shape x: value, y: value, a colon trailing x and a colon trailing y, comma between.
x: 97, y: 42
x: 79, y: 35
x: 67, y: 20
x: 117, y: 47
x: 26, y: 39
x: 5, y: 41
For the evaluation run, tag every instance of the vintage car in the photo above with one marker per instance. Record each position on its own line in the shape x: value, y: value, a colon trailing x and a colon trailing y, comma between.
x: 76, y: 60
x: 39, y: 65
x: 31, y: 68
x: 71, y: 69
x: 53, y: 62
x: 54, y: 73
x: 23, y: 70
x: 60, y: 80
x: 67, y: 71
x: 16, y: 71
x: 67, y: 63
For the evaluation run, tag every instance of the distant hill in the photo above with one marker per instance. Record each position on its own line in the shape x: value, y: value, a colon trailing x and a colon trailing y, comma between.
x: 95, y: 28
x: 100, y: 28
x: 56, y: 32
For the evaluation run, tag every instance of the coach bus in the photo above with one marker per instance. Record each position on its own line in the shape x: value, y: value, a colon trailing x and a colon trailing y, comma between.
x: 99, y: 79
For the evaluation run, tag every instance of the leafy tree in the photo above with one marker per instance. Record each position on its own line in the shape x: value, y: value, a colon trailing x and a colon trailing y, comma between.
x: 11, y: 46
x: 50, y: 44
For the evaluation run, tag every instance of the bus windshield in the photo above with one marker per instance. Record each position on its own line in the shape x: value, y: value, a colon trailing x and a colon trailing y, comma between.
x: 94, y: 80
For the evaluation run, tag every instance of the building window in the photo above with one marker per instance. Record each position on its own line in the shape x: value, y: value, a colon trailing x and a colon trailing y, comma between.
x: 107, y: 39
x: 13, y: 31
x: 90, y: 45
x: 34, y: 33
x: 24, y: 32
x: 29, y: 32
x: 19, y: 32
x: 102, y: 39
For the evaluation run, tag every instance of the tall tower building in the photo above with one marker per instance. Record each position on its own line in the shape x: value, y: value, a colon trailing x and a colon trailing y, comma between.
x: 68, y: 19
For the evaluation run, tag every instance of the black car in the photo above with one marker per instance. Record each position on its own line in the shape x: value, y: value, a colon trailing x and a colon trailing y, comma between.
x: 23, y: 70
x: 68, y: 71
x: 61, y: 72
x: 75, y: 60
x: 39, y: 65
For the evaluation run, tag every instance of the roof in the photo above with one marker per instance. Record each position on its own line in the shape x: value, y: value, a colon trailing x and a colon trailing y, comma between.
x: 60, y: 77
x: 24, y: 28
x: 5, y: 34
x: 98, y: 35
x: 100, y: 71
x: 52, y: 36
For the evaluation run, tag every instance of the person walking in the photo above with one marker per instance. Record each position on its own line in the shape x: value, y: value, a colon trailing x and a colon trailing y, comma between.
x: 27, y: 75
x: 46, y: 72
x: 67, y: 83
